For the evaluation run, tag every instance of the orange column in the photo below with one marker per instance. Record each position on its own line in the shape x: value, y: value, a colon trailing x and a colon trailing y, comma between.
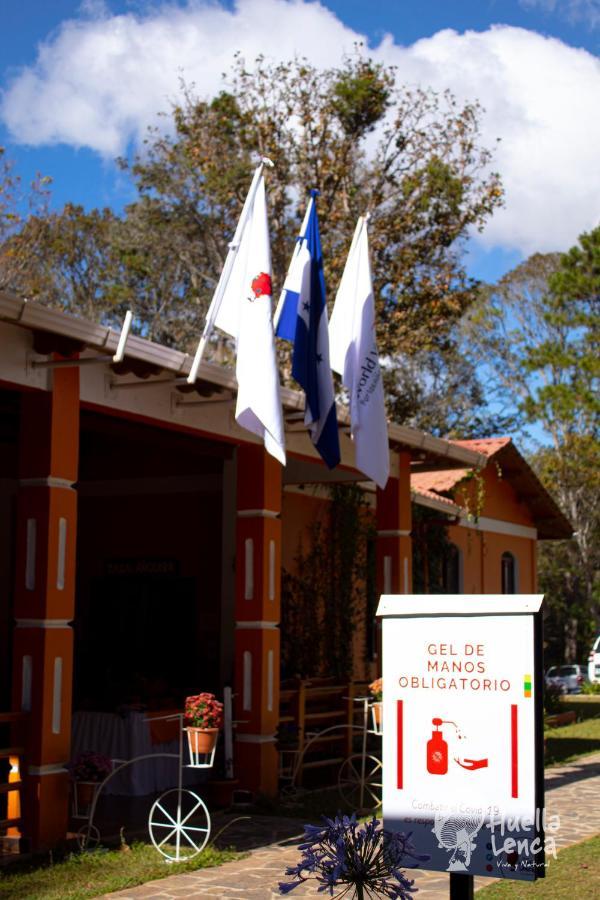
x: 394, y: 523
x: 44, y: 599
x: 257, y: 612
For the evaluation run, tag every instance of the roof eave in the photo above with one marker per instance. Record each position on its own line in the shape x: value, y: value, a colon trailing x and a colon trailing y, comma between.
x: 32, y: 315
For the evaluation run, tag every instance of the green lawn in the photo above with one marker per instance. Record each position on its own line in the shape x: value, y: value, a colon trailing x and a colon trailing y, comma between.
x: 84, y: 875
x: 575, y: 873
x: 568, y: 743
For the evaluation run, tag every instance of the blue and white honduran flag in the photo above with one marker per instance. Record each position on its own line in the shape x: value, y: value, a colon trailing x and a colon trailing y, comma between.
x: 354, y: 355
x: 245, y: 313
x: 303, y: 319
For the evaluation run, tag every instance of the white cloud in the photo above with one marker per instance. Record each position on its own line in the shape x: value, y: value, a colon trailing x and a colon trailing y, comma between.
x: 540, y: 96
x: 586, y: 11
x: 99, y: 81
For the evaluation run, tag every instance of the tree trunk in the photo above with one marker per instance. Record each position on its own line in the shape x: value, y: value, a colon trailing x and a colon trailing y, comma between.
x: 571, y: 640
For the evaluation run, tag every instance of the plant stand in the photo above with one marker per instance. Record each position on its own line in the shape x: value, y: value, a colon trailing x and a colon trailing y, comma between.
x: 377, y: 717
x: 288, y: 758
x: 199, y: 758
x: 180, y: 818
x: 179, y: 822
x: 83, y: 798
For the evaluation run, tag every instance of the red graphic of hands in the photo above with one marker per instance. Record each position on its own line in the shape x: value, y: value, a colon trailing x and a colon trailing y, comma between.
x: 472, y: 764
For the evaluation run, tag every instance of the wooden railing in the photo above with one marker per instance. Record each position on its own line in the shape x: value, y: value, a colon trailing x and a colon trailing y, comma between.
x: 312, y: 706
x: 12, y: 750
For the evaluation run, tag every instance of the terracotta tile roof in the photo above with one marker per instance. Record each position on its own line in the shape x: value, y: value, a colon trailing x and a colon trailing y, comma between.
x: 488, y: 446
x: 447, y: 479
x: 548, y: 518
x: 440, y: 482
x: 431, y: 495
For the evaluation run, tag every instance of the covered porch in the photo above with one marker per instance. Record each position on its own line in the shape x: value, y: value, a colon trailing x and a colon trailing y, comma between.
x: 144, y: 535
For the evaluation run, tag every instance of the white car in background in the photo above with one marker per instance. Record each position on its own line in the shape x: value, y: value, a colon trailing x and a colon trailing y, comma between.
x: 569, y: 679
x: 594, y: 661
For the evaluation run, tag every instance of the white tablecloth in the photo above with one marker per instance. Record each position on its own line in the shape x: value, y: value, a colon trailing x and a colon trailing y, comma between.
x: 123, y: 738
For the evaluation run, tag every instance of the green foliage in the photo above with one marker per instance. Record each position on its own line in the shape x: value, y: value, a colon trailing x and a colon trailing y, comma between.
x: 572, y: 344
x: 538, y: 332
x: 569, y: 742
x: 590, y: 687
x: 537, y: 336
x: 14, y: 201
x: 323, y: 601
x: 302, y: 594
x: 411, y: 156
x: 84, y: 875
x: 361, y: 96
x: 71, y: 262
x: 431, y: 550
x: 576, y: 873
x: 439, y: 391
x: 569, y: 571
x: 552, y: 700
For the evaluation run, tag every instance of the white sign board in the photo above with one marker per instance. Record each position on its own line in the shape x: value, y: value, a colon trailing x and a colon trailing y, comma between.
x: 461, y: 729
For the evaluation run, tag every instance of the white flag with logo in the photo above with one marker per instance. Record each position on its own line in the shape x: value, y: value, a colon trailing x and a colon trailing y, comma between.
x: 353, y: 353
x: 245, y: 313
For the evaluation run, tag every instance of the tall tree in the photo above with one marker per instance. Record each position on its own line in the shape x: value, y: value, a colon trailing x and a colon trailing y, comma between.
x: 440, y: 390
x: 569, y: 571
x: 17, y: 203
x: 412, y: 157
x: 67, y: 260
x: 537, y: 335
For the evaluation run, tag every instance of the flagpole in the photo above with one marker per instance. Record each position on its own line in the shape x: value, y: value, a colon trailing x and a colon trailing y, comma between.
x: 362, y: 221
x: 281, y: 303
x: 226, y: 272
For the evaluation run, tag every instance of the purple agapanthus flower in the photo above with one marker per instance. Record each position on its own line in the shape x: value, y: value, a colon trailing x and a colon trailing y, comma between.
x: 345, y: 856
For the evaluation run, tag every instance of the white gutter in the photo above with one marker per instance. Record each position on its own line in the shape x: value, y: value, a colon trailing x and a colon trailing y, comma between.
x: 29, y: 314
x: 437, y: 446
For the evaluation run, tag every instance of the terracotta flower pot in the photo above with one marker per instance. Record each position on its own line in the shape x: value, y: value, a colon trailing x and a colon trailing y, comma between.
x: 201, y: 740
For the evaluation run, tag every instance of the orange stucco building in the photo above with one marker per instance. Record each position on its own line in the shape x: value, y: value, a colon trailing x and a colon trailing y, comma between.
x: 143, y: 535
x: 495, y: 518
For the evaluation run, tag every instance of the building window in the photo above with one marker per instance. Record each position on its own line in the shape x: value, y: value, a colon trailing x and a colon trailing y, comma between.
x: 451, y: 570
x: 509, y: 574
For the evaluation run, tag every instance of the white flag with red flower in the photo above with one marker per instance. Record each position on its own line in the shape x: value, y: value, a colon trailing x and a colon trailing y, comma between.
x: 245, y: 313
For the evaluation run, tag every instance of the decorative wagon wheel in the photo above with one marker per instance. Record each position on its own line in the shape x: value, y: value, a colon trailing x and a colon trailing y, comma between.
x: 360, y: 787
x: 88, y: 837
x: 179, y: 824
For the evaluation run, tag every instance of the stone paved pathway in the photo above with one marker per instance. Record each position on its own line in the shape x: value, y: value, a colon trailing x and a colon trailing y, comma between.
x: 572, y: 792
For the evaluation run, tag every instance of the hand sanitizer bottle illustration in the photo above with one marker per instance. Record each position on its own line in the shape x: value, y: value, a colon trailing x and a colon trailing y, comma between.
x: 437, y: 751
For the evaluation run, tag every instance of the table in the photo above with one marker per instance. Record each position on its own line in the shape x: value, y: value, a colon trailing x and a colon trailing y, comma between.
x: 122, y: 737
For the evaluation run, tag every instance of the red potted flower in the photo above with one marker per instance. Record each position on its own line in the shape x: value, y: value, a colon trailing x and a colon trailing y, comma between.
x: 203, y: 717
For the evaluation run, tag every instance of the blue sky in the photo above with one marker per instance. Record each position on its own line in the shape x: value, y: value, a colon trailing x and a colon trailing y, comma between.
x: 80, y: 82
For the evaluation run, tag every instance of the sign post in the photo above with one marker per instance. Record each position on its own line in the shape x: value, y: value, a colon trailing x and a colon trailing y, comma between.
x: 463, y: 732
x: 462, y: 887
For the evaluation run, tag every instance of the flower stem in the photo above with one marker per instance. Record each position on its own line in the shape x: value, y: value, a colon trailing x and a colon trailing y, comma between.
x: 360, y: 894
